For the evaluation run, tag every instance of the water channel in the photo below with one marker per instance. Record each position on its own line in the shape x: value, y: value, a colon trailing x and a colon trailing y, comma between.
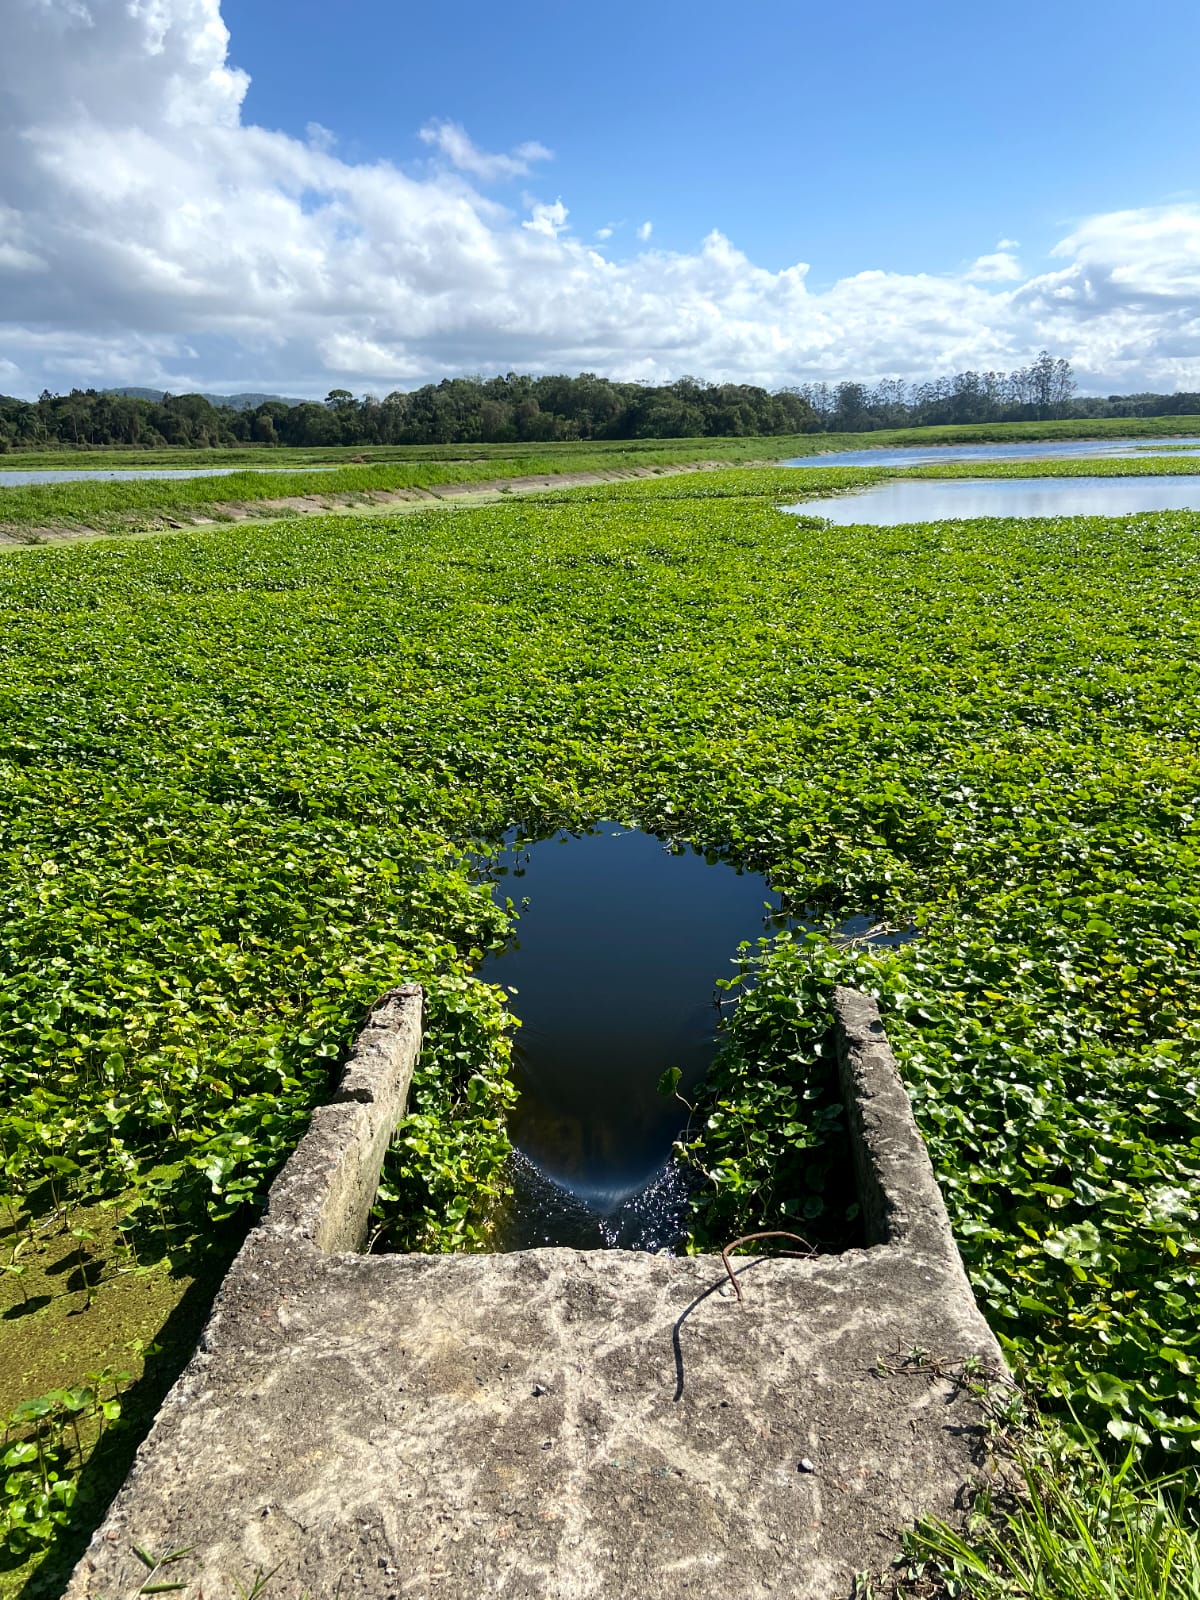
x: 940, y: 500
x: 612, y: 971
x: 1014, y: 450
x: 908, y: 456
x: 19, y: 477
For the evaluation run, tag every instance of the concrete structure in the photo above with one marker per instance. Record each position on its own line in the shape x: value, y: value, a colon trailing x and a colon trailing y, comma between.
x: 556, y: 1425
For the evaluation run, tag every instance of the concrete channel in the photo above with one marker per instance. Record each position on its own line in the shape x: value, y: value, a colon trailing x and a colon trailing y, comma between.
x: 557, y: 1424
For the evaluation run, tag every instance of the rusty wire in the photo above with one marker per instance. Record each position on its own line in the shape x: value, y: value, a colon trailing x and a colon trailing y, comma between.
x: 772, y: 1233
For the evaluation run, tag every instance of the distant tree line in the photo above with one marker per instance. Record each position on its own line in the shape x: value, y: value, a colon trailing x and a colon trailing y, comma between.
x: 519, y: 409
x: 1040, y: 392
x: 508, y: 410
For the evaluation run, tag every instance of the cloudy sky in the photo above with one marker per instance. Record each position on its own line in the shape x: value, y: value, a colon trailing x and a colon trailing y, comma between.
x: 295, y: 196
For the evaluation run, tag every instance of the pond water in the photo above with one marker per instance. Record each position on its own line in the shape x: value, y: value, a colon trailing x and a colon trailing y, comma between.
x: 612, y: 971
x: 16, y: 478
x: 1017, y: 450
x: 931, y: 500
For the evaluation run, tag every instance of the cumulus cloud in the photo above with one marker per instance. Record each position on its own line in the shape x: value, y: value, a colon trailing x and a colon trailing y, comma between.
x: 547, y: 219
x: 454, y: 142
x: 644, y: 232
x: 148, y: 233
x: 999, y: 267
x: 1156, y: 251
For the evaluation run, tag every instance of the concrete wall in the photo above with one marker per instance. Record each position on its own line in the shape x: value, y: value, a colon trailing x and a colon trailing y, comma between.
x: 323, y: 1196
x: 897, y: 1189
x: 559, y: 1424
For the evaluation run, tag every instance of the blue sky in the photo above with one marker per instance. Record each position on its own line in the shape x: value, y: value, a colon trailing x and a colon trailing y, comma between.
x: 292, y: 195
x: 909, y: 137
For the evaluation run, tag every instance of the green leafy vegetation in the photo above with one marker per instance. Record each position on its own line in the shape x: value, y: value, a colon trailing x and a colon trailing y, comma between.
x: 243, y: 772
x: 1140, y: 466
x: 96, y: 1330
x: 767, y: 1136
x: 45, y: 1444
x: 342, y: 478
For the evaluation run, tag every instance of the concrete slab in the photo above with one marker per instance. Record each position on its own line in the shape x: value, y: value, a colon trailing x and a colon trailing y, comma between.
x: 557, y: 1424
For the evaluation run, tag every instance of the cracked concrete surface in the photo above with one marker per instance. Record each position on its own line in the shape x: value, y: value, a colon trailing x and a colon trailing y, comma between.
x: 553, y: 1424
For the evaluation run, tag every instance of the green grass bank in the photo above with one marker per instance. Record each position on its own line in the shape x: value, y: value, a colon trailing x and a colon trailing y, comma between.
x: 772, y: 447
x: 349, y: 479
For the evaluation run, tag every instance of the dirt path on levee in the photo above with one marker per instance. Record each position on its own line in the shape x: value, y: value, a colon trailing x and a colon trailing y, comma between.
x: 358, y: 502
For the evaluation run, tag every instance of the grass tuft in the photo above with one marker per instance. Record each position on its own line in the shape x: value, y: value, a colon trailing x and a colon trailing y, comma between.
x: 1077, y: 1528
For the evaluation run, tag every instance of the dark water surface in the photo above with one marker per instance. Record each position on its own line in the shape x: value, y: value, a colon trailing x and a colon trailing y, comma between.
x: 612, y: 973
x: 933, y: 500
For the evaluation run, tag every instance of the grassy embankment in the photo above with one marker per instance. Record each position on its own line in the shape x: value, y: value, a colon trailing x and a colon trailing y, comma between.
x: 1062, y: 1523
x: 29, y: 513
x: 138, y: 505
x: 235, y: 805
x: 1099, y: 428
x: 627, y: 452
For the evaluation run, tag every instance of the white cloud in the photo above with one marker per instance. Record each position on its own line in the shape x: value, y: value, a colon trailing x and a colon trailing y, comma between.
x: 149, y: 234
x: 644, y: 232
x: 1008, y: 244
x: 547, y: 219
x: 320, y: 137
x: 453, y: 141
x: 999, y: 267
x: 1157, y: 249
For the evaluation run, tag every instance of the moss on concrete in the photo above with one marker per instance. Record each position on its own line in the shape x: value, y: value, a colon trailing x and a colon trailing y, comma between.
x: 85, y: 1309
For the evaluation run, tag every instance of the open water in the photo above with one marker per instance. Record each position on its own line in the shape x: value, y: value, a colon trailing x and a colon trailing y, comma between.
x: 911, y: 456
x: 948, y: 499
x: 16, y: 477
x: 1018, y: 450
x: 612, y: 971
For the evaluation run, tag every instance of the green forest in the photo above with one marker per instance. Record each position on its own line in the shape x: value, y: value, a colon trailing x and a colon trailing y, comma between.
x: 520, y: 409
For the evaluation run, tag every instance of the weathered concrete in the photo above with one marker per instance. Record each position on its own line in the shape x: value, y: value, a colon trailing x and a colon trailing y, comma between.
x: 557, y: 1424
x: 902, y: 1204
x: 323, y: 1196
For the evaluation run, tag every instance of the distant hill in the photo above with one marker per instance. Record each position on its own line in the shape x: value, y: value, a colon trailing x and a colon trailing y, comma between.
x: 238, y: 402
